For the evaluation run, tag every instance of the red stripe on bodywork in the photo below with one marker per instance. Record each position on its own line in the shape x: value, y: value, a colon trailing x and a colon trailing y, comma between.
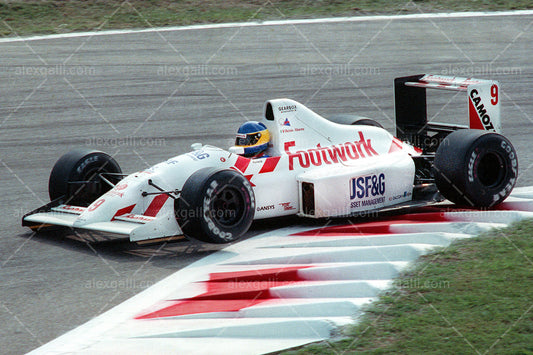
x: 123, y: 211
x: 396, y: 145
x: 242, y: 164
x: 230, y: 292
x: 156, y: 205
x: 475, y: 122
x: 269, y: 165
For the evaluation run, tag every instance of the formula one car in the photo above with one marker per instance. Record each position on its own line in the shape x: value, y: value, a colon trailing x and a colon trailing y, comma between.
x: 315, y: 168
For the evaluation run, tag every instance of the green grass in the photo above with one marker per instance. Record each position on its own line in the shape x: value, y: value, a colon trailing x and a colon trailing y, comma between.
x: 474, y: 297
x: 25, y: 17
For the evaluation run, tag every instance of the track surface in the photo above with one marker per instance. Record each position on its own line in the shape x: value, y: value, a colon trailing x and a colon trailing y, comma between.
x: 144, y: 97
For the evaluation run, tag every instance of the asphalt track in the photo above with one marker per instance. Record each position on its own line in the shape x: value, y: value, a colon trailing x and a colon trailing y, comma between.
x: 143, y: 97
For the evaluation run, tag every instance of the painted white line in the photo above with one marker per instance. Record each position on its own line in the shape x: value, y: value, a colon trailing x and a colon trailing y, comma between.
x: 272, y: 23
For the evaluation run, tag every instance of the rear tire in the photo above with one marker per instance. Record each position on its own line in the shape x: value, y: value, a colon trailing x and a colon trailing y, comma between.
x: 354, y: 120
x: 366, y: 122
x: 81, y: 165
x: 475, y: 168
x: 215, y: 206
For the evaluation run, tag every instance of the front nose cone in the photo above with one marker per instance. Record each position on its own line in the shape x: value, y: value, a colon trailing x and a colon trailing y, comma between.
x: 98, y: 211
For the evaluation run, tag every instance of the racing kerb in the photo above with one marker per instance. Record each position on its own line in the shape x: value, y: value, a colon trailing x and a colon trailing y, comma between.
x: 281, y: 289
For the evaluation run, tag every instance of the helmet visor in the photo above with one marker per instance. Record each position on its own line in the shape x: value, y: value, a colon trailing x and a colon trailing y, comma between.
x: 248, y: 139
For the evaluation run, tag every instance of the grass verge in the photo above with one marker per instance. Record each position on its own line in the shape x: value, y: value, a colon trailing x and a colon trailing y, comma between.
x: 25, y: 17
x: 474, y: 297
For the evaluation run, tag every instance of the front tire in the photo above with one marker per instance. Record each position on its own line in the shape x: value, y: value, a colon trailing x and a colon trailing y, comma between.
x: 75, y: 177
x: 215, y: 206
x: 475, y: 168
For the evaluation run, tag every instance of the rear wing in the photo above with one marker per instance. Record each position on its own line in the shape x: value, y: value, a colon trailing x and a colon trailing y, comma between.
x: 411, y: 107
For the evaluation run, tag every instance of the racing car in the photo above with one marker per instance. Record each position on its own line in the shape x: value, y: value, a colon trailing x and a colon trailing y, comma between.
x: 314, y: 167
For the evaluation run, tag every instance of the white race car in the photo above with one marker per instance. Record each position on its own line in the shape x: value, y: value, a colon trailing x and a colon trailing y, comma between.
x: 315, y: 168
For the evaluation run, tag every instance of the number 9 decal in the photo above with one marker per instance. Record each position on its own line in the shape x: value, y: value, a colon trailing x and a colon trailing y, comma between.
x: 494, y: 94
x: 96, y: 205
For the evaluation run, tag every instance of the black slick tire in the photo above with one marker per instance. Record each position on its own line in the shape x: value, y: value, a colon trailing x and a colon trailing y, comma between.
x: 215, y: 206
x: 354, y: 120
x: 75, y: 177
x: 366, y: 122
x: 475, y: 168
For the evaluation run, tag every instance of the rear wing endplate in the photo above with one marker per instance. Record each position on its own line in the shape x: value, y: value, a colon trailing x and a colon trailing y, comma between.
x: 411, y: 107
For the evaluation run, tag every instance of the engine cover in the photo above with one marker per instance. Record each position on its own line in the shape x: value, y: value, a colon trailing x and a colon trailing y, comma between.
x: 367, y: 185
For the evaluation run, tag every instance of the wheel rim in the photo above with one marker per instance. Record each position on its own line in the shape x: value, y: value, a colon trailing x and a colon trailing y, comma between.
x: 491, y: 170
x: 228, y: 206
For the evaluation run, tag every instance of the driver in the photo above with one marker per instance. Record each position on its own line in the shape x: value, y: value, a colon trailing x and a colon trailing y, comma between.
x: 252, y: 140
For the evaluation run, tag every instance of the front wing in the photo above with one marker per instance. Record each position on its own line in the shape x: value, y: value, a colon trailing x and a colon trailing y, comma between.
x: 136, y: 227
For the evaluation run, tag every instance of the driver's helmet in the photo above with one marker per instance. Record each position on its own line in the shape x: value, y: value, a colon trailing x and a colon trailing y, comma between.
x: 252, y: 138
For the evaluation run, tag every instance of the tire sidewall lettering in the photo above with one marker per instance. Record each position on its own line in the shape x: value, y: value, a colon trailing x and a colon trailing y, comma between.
x: 472, y: 164
x: 507, y: 153
x: 513, y: 172
x: 467, y: 172
x: 213, y: 186
x: 206, y: 215
x: 82, y: 165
